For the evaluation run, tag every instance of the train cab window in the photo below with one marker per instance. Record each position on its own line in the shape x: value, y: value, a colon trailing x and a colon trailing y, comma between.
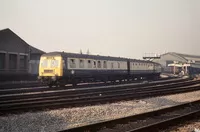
x: 72, y: 63
x: 94, y: 64
x: 118, y: 64
x: 89, y: 64
x: 81, y: 63
x: 104, y: 64
x: 99, y: 64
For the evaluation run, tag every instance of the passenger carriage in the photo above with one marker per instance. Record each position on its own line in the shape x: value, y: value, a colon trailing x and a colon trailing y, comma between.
x: 60, y: 68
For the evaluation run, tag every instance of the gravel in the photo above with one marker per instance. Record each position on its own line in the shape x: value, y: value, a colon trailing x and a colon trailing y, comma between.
x: 190, y: 126
x: 55, y: 120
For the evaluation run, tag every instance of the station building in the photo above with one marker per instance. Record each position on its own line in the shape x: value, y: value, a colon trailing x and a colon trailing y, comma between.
x: 173, y: 62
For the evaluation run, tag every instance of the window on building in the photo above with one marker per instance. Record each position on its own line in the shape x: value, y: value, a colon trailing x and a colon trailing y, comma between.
x: 22, y: 62
x: 104, y: 64
x: 89, y: 64
x: 72, y: 63
x: 12, y: 61
x: 81, y: 63
x: 2, y: 60
x: 98, y: 64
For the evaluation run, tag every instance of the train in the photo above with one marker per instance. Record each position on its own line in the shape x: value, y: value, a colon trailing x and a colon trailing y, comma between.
x: 61, y: 68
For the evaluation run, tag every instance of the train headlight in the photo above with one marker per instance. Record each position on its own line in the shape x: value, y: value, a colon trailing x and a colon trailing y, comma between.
x: 39, y: 78
x: 53, y: 78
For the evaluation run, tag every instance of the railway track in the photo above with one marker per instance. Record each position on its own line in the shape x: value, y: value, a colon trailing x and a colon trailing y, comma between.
x: 45, y: 88
x: 146, y: 122
x: 72, y: 97
x: 19, y: 85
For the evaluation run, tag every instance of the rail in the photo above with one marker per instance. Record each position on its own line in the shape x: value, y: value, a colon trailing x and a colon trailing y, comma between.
x: 151, y: 121
x: 74, y: 97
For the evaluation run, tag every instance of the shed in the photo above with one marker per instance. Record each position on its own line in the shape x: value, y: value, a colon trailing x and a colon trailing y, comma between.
x: 15, y: 54
x: 178, y: 59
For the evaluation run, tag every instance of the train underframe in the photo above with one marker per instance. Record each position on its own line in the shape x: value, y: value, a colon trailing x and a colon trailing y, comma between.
x: 74, y: 80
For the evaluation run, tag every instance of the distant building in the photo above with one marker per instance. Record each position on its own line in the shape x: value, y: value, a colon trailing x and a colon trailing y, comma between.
x: 180, y: 61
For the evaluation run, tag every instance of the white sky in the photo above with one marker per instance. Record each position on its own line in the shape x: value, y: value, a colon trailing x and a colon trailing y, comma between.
x: 126, y: 28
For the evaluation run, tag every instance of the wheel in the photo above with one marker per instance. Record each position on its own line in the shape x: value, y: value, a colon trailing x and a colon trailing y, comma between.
x: 74, y: 83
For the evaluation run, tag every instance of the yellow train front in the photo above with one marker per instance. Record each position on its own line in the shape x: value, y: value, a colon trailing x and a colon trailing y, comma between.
x: 50, y: 69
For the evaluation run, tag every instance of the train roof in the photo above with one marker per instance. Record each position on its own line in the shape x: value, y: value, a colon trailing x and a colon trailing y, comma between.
x: 97, y: 57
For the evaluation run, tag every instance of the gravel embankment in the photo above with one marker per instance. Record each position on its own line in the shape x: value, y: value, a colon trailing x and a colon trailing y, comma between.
x: 190, y: 126
x: 54, y: 120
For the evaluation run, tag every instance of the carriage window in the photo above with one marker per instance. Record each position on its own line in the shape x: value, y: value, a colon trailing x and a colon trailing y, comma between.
x: 118, y: 65
x: 72, y: 63
x: 112, y: 65
x: 99, y: 64
x: 94, y: 64
x: 81, y: 64
x: 104, y: 64
x: 89, y: 64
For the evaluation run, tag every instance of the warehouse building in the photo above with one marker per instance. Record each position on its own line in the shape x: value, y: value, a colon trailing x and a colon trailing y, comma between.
x: 173, y: 62
x: 16, y: 55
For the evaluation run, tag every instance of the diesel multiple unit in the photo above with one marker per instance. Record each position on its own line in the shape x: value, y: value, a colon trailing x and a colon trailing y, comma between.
x: 60, y: 68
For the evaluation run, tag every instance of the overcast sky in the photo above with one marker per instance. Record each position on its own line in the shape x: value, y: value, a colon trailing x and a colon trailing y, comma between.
x: 126, y: 28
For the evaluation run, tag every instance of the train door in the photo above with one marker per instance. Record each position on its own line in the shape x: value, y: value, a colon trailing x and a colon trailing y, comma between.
x: 64, y: 61
x: 128, y: 67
